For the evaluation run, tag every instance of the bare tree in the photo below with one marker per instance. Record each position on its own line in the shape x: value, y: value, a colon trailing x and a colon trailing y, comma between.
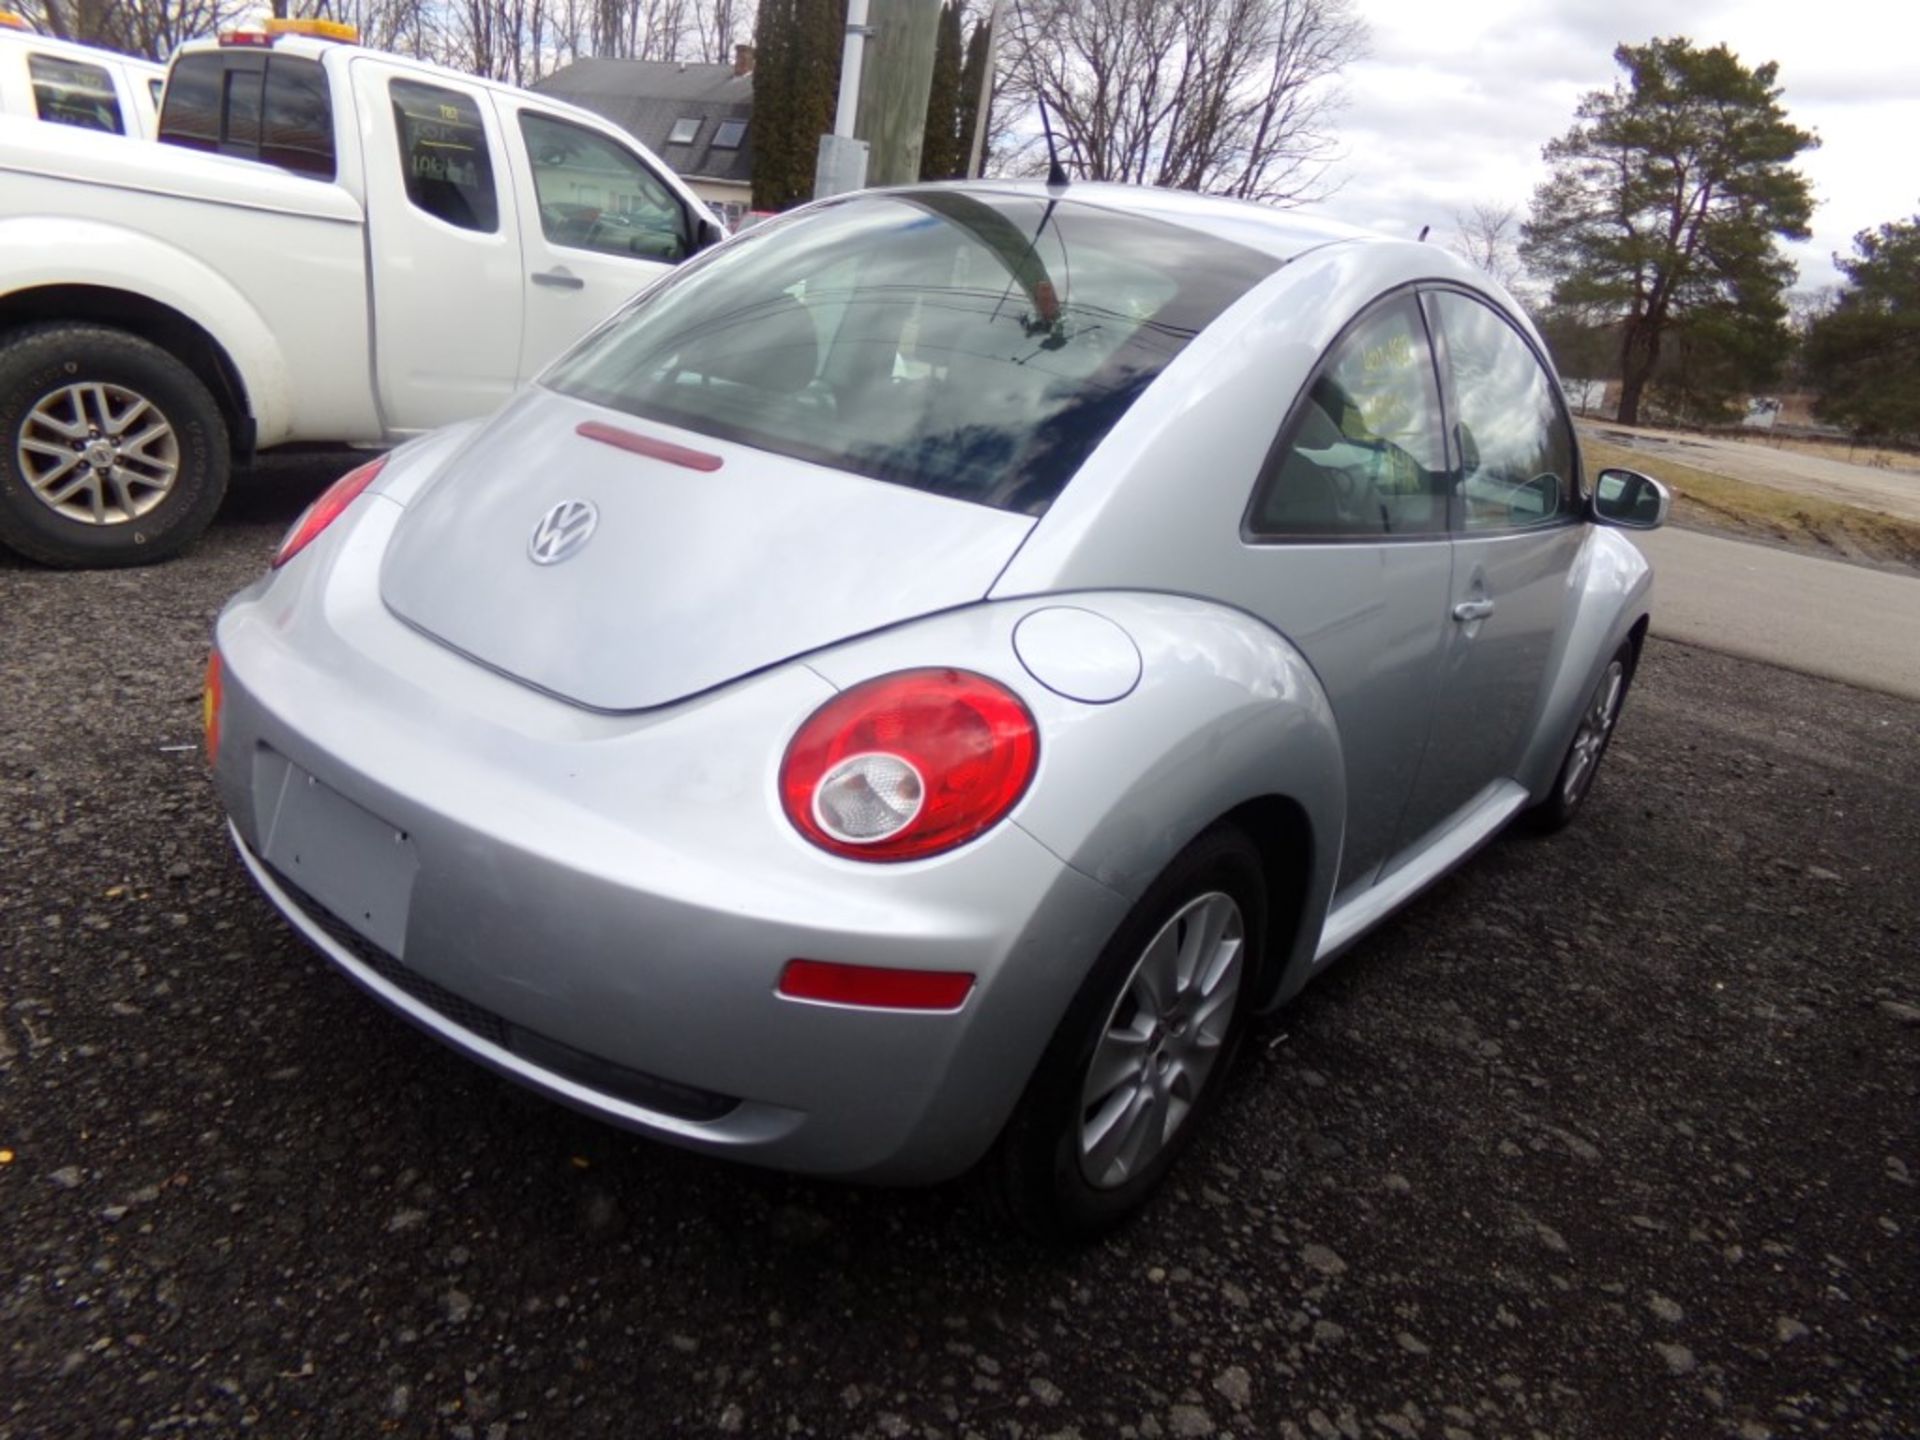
x: 1233, y: 97
x: 1488, y: 238
x: 151, y: 28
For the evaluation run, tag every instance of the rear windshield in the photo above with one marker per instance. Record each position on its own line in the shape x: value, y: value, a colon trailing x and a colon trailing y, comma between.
x: 972, y: 346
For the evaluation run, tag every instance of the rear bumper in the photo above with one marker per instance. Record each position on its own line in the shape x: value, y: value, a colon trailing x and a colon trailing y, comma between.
x: 599, y: 907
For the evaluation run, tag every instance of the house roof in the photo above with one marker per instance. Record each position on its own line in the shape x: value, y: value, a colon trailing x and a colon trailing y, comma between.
x: 647, y: 97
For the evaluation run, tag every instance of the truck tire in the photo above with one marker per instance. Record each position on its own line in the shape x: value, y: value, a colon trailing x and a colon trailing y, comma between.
x: 112, y: 452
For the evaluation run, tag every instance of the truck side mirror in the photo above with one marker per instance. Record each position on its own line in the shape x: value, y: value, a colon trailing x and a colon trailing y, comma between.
x: 705, y: 235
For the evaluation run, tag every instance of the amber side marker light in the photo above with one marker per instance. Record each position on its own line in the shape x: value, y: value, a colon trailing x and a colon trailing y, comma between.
x: 874, y: 987
x: 211, y: 697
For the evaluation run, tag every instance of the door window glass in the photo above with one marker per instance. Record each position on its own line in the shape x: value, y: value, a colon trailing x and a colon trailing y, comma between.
x: 1516, y: 444
x: 443, y: 155
x: 597, y: 195
x: 71, y: 92
x: 1363, y: 454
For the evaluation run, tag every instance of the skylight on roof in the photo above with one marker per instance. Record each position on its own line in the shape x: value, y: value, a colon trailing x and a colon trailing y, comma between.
x: 729, y: 135
x: 684, y: 129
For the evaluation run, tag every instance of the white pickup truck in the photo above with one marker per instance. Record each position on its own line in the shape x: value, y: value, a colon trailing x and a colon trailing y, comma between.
x: 368, y: 247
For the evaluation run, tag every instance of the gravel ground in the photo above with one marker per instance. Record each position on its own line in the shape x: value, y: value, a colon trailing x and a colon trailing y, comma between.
x: 1612, y: 1135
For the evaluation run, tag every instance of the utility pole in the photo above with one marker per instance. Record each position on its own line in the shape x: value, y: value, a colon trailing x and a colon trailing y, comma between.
x: 886, y: 71
x: 842, y: 165
x: 894, y: 87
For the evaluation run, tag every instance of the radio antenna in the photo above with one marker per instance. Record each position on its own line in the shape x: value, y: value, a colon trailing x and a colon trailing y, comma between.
x: 1056, y: 172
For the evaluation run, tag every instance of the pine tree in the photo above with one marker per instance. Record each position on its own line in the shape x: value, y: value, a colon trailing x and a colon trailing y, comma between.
x: 979, y: 47
x: 796, y: 80
x: 1863, y: 356
x: 1663, y: 206
x: 942, y: 152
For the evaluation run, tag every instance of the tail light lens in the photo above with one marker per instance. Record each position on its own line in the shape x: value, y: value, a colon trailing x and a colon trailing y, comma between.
x: 210, y: 699
x: 324, y: 511
x: 909, y: 765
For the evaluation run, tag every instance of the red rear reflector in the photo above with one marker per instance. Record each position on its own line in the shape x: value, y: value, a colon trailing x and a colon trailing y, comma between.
x: 210, y: 699
x: 646, y: 445
x: 873, y: 986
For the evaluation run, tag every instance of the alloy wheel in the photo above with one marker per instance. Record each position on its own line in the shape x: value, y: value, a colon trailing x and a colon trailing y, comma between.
x: 1162, y: 1040
x: 97, y: 453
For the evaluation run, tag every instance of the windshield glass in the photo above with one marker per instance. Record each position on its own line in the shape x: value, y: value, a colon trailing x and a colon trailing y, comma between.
x: 973, y: 346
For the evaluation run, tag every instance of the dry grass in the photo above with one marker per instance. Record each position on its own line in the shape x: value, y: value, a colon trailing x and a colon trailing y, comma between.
x: 1837, y: 450
x: 1720, y: 502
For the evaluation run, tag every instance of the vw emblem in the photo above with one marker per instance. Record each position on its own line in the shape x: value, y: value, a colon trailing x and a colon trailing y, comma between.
x: 562, y: 532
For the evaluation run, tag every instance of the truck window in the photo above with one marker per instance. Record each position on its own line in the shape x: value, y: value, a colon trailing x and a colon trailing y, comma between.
x: 443, y: 155
x: 296, y: 131
x: 272, y: 108
x: 190, y: 115
x: 597, y: 195
x: 72, y: 92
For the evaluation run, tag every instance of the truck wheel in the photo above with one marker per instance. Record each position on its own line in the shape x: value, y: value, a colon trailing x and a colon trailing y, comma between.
x: 111, y: 451
x: 1142, y: 1054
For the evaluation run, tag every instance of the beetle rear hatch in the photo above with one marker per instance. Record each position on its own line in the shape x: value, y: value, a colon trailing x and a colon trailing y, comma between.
x: 689, y: 577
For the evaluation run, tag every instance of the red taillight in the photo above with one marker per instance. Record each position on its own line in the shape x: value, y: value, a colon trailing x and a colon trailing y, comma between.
x: 210, y: 699
x: 874, y: 986
x: 908, y: 765
x: 324, y: 511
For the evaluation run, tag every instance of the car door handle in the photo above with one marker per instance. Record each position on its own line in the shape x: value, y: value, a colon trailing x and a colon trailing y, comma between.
x: 559, y: 279
x: 1468, y: 611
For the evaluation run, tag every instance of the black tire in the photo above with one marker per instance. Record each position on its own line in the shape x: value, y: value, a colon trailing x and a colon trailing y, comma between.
x: 1035, y: 1169
x: 1556, y: 812
x: 39, y: 361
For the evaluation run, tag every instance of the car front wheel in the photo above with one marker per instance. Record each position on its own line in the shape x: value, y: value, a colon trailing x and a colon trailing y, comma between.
x: 112, y: 452
x: 1590, y: 739
x: 1143, y: 1051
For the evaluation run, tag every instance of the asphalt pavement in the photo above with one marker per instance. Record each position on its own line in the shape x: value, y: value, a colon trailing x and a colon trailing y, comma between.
x: 1612, y: 1135
x: 1763, y: 602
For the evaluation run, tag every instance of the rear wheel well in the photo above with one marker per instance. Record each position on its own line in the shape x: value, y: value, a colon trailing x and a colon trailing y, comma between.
x: 164, y: 326
x: 1280, y: 830
x: 1638, y: 634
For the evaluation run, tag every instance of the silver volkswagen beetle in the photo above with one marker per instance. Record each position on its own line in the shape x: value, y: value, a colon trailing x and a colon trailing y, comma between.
x: 908, y: 690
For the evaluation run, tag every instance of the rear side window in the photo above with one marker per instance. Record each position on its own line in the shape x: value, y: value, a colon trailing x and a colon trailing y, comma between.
x: 271, y: 108
x: 975, y: 346
x: 190, y: 114
x: 1363, y: 453
x: 1515, y: 441
x: 72, y: 92
x: 296, y: 118
x: 443, y: 155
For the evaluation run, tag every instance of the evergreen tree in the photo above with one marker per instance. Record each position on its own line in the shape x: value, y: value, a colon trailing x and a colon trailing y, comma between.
x: 942, y: 152
x: 1863, y: 357
x: 979, y: 47
x: 1663, y: 207
x: 796, y: 79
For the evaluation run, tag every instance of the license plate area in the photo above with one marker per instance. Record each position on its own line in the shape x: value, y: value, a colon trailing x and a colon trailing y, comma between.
x: 346, y: 857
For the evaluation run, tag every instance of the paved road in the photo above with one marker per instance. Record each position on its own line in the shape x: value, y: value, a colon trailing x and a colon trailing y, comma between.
x: 1610, y: 1136
x: 1892, y: 490
x: 1822, y: 617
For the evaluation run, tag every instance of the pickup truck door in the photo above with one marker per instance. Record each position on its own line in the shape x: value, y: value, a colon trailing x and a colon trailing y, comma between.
x: 597, y: 225
x: 443, y: 245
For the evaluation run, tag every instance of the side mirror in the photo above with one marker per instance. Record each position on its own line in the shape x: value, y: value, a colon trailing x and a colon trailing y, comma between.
x: 1630, y: 500
x: 705, y: 235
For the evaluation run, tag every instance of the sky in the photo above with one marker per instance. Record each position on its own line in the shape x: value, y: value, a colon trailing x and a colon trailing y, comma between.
x: 1454, y: 101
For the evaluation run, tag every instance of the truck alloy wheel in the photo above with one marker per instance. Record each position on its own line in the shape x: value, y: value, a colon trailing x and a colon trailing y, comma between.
x: 112, y: 452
